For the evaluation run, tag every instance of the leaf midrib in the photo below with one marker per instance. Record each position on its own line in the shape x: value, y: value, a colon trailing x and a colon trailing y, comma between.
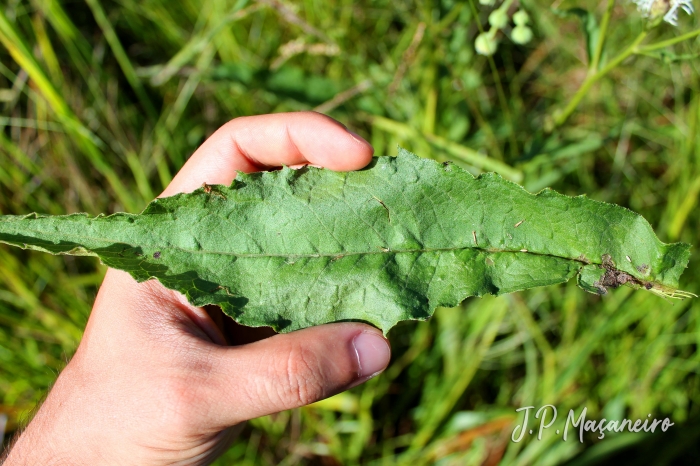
x: 314, y: 255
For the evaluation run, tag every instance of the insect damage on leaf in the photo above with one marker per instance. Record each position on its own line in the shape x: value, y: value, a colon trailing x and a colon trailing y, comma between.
x: 295, y: 248
x: 610, y: 277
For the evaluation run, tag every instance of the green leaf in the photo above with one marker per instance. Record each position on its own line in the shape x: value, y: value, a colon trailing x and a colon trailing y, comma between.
x: 589, y: 24
x: 296, y: 248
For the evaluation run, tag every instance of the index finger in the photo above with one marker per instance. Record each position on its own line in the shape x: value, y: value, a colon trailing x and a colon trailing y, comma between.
x: 256, y: 143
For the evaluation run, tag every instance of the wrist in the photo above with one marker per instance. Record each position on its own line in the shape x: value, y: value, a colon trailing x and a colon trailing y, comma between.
x: 29, y: 449
x: 48, y: 438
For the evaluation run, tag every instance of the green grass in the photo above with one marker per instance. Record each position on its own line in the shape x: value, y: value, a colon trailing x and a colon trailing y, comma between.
x: 103, y: 101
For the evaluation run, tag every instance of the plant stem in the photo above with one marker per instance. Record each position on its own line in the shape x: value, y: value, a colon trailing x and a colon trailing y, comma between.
x: 501, y: 93
x: 505, y: 108
x: 503, y: 102
x: 463, y: 153
x: 505, y: 6
x: 595, y: 60
x: 481, y: 121
x: 591, y: 79
x: 666, y: 43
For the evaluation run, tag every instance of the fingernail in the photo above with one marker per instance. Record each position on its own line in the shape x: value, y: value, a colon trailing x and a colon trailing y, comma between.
x: 373, y: 354
x: 302, y: 165
x: 358, y: 138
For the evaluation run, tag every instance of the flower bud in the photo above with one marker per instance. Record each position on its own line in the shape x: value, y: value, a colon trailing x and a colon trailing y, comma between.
x: 485, y: 44
x: 521, y: 35
x: 498, y: 19
x: 520, y: 18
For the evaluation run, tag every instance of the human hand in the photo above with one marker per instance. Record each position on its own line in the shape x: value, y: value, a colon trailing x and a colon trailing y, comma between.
x: 153, y: 381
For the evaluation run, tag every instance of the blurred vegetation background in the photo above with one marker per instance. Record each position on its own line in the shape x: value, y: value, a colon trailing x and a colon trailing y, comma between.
x: 103, y: 100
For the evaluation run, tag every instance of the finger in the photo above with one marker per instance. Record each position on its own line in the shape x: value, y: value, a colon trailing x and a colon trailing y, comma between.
x: 257, y: 143
x: 292, y: 370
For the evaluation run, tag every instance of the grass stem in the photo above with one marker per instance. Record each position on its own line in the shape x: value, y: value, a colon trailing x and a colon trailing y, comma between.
x: 666, y: 43
x: 600, y: 45
x: 590, y: 80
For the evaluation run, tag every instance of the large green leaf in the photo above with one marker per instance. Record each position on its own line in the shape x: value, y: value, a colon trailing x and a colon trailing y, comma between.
x: 295, y: 248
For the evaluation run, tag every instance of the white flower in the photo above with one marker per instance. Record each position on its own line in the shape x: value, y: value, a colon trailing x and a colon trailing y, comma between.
x: 668, y: 8
x: 672, y: 15
x: 644, y: 6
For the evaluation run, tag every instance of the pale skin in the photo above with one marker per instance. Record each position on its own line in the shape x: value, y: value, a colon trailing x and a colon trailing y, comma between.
x: 154, y: 380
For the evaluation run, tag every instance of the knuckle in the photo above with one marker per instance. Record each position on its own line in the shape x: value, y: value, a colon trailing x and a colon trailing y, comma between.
x: 179, y: 405
x: 305, y: 377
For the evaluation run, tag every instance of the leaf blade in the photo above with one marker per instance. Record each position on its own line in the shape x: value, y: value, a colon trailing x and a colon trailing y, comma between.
x: 295, y: 248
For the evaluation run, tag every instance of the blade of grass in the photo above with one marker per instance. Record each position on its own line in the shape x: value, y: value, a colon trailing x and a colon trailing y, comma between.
x: 84, y: 138
x: 47, y: 50
x: 600, y: 45
x: 121, y: 56
x: 463, y: 153
x: 446, y: 403
x: 197, y: 44
x: 560, y: 118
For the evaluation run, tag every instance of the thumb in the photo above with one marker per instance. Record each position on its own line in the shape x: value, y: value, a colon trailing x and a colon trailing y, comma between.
x: 295, y: 369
